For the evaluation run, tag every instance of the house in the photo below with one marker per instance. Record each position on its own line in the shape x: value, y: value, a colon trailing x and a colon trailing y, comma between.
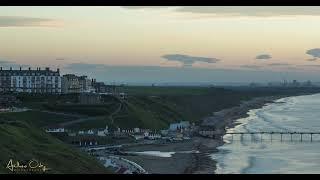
x: 178, y: 126
x: 55, y: 130
x: 138, y: 136
x: 136, y: 130
x: 101, y: 133
x: 90, y: 132
x: 106, y: 131
x: 164, y: 132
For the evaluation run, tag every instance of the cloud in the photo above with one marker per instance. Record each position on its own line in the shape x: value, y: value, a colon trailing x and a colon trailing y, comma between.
x: 145, y: 7
x: 188, y: 60
x: 251, y: 66
x: 312, y: 59
x: 243, y: 11
x: 279, y: 64
x: 20, y: 21
x: 263, y: 56
x: 309, y: 65
x: 315, y: 53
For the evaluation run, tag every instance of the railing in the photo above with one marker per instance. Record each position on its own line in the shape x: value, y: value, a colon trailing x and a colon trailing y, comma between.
x: 220, y: 135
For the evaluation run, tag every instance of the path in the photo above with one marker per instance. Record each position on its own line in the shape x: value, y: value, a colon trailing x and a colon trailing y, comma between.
x: 115, y: 112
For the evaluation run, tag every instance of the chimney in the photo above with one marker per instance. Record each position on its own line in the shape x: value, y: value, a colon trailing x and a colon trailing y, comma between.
x: 10, y: 68
x: 29, y: 68
x: 39, y: 68
x: 1, y: 68
x: 47, y: 69
x: 20, y: 68
x: 58, y: 70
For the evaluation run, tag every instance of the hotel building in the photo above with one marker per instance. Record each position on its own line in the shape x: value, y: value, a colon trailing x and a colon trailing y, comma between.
x: 30, y: 81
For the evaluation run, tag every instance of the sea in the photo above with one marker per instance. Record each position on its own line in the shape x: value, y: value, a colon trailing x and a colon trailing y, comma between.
x: 263, y: 154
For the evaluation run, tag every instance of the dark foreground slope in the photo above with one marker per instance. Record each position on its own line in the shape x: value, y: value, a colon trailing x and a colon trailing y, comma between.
x: 20, y: 141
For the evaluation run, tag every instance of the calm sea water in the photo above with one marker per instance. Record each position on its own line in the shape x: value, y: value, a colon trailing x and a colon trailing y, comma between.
x: 248, y: 154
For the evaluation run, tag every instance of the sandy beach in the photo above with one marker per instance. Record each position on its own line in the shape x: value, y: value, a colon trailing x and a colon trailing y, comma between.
x: 195, y: 163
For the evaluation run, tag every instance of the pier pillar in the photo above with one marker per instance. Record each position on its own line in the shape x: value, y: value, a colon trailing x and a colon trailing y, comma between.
x: 261, y: 136
x: 300, y: 136
x: 281, y: 137
x: 311, y: 137
x: 291, y: 136
x: 271, y: 137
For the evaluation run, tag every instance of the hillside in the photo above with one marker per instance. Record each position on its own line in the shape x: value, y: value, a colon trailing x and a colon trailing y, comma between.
x: 150, y: 107
x: 21, y: 141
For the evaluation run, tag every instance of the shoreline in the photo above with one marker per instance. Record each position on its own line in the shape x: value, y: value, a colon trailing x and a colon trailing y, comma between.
x: 198, y: 163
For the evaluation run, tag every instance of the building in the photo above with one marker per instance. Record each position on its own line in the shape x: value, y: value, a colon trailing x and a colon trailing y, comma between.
x: 89, y: 98
x: 76, y: 84
x: 85, y: 84
x: 30, y: 81
x: 100, y: 87
x: 70, y: 84
x: 55, y: 130
x: 178, y: 126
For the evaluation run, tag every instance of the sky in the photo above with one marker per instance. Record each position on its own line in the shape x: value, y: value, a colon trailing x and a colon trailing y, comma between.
x: 165, y: 44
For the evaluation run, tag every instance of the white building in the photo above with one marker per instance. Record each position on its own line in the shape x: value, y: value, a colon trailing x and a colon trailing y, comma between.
x: 136, y: 130
x: 55, y: 130
x: 30, y: 81
x: 181, y: 125
x: 90, y: 132
x: 101, y: 133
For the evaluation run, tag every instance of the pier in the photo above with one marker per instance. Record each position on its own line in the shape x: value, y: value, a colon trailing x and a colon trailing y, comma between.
x: 310, y: 135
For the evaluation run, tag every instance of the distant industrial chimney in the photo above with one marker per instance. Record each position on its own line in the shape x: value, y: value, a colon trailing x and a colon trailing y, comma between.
x: 10, y: 68
x: 29, y: 68
x: 58, y: 70
x: 20, y: 68
x: 1, y: 68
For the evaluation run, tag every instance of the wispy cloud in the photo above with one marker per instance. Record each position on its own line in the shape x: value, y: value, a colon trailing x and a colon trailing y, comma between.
x: 251, y: 66
x: 263, y: 56
x: 315, y: 53
x: 187, y: 60
x: 146, y: 7
x: 241, y: 11
x: 21, y: 21
x: 279, y: 64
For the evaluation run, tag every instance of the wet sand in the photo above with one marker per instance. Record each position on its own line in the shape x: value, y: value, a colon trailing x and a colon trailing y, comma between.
x: 195, y: 163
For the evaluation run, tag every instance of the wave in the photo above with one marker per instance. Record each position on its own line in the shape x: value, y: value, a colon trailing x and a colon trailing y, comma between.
x: 287, y: 114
